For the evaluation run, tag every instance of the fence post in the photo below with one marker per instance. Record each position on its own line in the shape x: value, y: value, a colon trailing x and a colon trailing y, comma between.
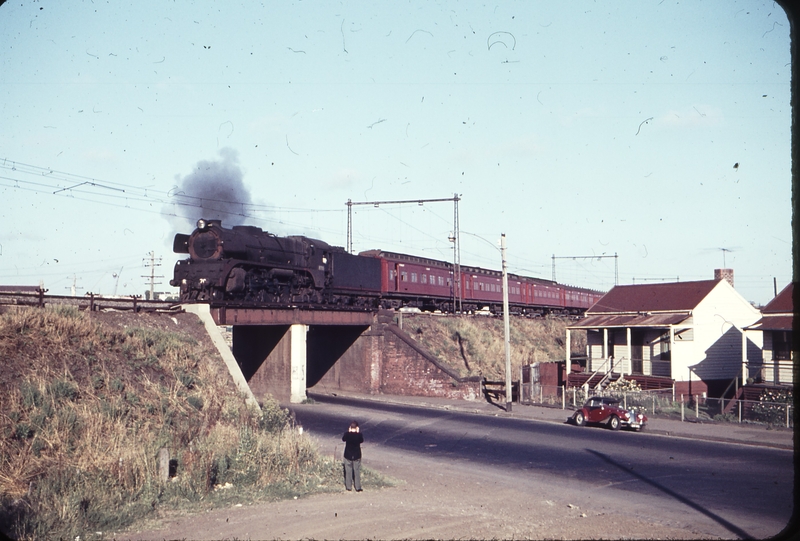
x: 696, y: 407
x: 681, y: 408
x: 564, y: 397
x: 787, y: 415
x: 625, y: 400
x: 541, y: 394
x: 740, y: 412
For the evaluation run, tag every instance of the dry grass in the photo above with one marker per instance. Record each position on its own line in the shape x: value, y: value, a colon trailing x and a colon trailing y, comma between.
x: 475, y: 346
x: 86, y: 406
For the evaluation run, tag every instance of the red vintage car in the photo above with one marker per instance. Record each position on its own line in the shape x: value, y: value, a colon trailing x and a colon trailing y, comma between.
x: 606, y: 410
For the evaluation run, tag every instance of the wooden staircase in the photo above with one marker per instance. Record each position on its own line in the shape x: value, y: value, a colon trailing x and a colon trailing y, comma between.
x: 646, y: 383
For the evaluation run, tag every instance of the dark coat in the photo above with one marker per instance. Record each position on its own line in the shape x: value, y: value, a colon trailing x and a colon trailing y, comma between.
x: 352, y: 445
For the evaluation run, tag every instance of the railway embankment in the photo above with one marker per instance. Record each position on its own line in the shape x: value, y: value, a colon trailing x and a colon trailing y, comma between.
x: 474, y: 345
x: 90, y: 400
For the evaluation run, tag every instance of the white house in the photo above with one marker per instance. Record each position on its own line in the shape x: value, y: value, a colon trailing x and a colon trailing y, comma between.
x: 686, y: 332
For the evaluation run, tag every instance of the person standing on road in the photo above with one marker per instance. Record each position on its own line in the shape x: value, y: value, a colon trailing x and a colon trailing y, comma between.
x: 352, y: 457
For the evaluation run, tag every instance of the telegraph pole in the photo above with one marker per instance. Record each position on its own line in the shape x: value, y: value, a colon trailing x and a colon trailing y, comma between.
x: 506, y: 329
x: 153, y: 263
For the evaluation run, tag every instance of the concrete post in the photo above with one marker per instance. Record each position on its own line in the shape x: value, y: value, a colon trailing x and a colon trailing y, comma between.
x: 163, y: 464
x: 630, y: 353
x: 297, y: 354
x: 569, y: 353
x: 744, y: 358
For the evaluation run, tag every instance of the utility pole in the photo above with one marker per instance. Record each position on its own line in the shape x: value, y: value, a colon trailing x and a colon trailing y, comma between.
x: 74, y: 289
x: 506, y: 326
x: 116, y: 280
x: 152, y: 263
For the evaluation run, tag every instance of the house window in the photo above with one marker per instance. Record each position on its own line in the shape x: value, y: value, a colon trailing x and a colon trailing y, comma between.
x: 781, y: 346
x: 665, y: 354
x: 684, y: 335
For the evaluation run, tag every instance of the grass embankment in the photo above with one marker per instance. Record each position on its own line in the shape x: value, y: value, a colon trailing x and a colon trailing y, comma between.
x: 476, y: 345
x: 85, y: 407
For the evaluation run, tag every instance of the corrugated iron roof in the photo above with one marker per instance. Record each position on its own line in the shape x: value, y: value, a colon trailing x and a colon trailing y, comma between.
x: 782, y: 304
x: 630, y: 320
x: 772, y: 323
x: 654, y: 297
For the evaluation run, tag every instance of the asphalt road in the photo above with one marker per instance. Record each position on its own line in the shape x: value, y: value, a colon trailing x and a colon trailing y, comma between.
x: 727, y: 490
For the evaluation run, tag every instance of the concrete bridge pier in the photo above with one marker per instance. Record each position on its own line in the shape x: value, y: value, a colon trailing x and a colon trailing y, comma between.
x: 283, y: 352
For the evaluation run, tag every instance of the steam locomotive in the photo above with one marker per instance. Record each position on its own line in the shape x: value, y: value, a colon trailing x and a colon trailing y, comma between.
x: 246, y: 266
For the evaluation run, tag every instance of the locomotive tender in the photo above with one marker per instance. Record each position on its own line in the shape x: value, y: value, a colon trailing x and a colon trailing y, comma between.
x: 247, y: 266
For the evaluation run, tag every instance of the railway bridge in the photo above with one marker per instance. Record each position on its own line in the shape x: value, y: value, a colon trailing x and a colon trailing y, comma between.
x: 282, y: 351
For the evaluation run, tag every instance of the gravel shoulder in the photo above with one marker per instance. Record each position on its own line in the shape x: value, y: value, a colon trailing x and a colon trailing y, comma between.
x: 432, y: 500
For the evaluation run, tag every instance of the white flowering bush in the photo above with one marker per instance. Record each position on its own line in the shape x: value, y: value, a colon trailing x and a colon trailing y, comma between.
x: 623, y: 385
x: 771, y: 406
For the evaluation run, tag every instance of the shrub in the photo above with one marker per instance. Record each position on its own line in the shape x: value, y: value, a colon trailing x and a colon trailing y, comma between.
x: 623, y: 385
x: 771, y: 406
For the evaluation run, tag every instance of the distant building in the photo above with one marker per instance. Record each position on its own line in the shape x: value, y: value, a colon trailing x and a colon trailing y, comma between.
x: 687, y: 332
x: 776, y: 327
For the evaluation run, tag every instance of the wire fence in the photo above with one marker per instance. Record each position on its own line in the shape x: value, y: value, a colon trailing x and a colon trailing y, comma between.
x: 774, y: 409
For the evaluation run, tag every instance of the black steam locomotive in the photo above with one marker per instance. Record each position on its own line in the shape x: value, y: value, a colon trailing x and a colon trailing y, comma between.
x: 245, y: 265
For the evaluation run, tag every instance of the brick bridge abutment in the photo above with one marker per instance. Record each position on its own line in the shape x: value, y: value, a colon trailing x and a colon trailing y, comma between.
x: 285, y: 352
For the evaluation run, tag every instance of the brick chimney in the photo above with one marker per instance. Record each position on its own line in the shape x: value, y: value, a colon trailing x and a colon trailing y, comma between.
x: 724, y: 274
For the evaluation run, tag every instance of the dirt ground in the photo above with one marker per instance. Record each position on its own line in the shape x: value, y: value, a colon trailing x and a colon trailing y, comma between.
x: 431, y: 501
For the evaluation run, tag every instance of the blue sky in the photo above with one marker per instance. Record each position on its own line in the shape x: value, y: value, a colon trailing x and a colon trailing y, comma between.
x: 657, y: 131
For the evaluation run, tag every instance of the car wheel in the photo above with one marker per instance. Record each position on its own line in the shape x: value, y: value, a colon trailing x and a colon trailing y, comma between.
x: 613, y: 423
x: 580, y: 420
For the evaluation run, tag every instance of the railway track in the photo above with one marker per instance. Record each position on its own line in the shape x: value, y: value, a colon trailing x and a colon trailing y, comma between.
x: 89, y: 302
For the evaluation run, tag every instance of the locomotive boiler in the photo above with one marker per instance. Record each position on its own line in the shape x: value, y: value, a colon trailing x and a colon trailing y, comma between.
x: 245, y: 264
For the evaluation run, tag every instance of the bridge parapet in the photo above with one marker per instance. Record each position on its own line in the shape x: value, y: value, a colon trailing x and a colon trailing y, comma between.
x: 289, y: 316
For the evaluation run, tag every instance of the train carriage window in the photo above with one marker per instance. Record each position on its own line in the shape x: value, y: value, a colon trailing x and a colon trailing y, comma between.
x: 441, y: 280
x: 403, y: 276
x: 392, y: 274
x: 433, y: 280
x: 413, y: 277
x: 424, y: 278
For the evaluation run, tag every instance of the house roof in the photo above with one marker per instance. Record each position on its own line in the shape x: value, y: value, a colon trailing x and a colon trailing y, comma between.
x: 672, y: 296
x: 772, y: 323
x: 782, y: 303
x: 630, y: 320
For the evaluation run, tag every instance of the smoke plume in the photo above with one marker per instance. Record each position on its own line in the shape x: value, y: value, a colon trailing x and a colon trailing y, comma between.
x: 215, y: 190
